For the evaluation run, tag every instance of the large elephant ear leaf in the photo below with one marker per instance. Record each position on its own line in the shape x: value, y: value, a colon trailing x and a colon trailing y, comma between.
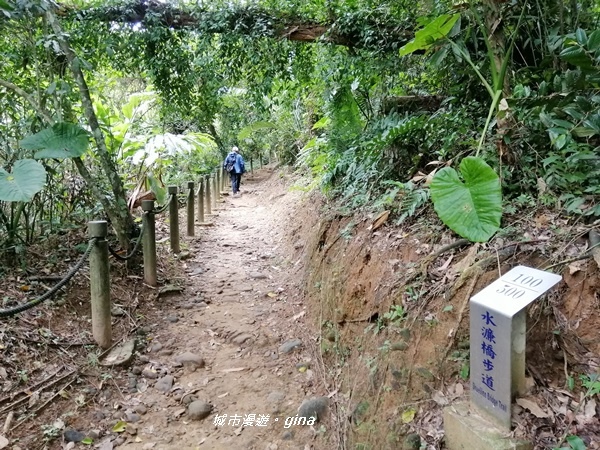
x: 472, y: 208
x: 26, y: 179
x: 62, y: 140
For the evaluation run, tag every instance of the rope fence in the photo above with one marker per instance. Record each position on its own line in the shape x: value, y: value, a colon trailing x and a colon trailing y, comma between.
x: 203, y: 201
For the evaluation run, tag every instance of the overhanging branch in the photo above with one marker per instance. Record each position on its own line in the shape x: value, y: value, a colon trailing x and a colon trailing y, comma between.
x: 249, y: 20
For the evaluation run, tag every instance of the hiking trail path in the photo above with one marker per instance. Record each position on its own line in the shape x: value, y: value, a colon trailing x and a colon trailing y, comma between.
x: 229, y: 342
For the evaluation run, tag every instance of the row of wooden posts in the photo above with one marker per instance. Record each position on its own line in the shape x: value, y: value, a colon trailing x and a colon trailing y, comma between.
x: 202, y: 201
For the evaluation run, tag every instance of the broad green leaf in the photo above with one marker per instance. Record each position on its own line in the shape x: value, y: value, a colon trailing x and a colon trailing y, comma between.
x: 437, y: 58
x: 6, y: 7
x: 87, y: 441
x: 62, y: 140
x: 158, y: 189
x: 576, y: 443
x: 119, y: 427
x: 583, y: 131
x: 27, y: 178
x: 594, y: 41
x: 250, y: 129
x: 472, y: 208
x: 576, y: 56
x: 581, y: 36
x: 321, y: 123
x: 433, y: 31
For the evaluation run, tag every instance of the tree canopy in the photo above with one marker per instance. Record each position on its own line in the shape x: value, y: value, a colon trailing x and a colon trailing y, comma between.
x: 371, y: 97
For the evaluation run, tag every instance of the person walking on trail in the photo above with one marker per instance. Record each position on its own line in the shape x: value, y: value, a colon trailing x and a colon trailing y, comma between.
x: 234, y: 165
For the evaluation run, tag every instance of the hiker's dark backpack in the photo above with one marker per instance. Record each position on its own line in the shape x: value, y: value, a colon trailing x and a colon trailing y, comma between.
x: 230, y: 162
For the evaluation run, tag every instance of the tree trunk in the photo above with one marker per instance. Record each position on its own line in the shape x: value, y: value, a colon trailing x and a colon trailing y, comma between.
x: 118, y: 212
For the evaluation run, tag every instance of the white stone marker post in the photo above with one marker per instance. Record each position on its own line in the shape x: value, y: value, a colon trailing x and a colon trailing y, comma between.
x: 498, y: 327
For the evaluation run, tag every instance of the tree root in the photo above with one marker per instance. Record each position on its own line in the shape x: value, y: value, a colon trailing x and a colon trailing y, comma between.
x: 424, y: 267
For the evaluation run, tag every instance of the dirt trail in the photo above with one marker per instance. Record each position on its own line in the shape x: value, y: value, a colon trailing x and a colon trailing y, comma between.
x: 236, y: 311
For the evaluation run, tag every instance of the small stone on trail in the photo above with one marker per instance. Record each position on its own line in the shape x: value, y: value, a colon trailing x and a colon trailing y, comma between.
x: 117, y: 311
x: 73, y: 436
x: 314, y: 407
x: 132, y: 417
x: 289, y: 346
x: 199, y: 410
x: 120, y: 355
x: 287, y: 436
x: 276, y: 396
x: 257, y: 275
x: 165, y: 383
x: 149, y: 446
x: 157, y: 346
x: 149, y: 373
x: 241, y: 338
x: 190, y: 359
x: 173, y: 318
x: 183, y: 256
x: 136, y: 370
x: 399, y: 346
x: 141, y: 409
x: 169, y: 289
x: 144, y: 359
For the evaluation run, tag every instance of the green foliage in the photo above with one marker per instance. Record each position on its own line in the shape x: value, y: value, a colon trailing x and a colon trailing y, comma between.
x: 472, y: 208
x: 395, y: 314
x: 26, y: 179
x: 438, y: 28
x: 575, y: 443
x: 253, y: 128
x: 62, y: 140
x: 405, y: 198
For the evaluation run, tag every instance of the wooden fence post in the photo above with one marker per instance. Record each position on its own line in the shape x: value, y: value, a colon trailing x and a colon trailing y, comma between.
x: 208, y: 189
x: 100, y: 284
x: 149, y: 243
x: 200, y: 204
x: 190, y: 209
x: 174, y: 219
x: 214, y: 187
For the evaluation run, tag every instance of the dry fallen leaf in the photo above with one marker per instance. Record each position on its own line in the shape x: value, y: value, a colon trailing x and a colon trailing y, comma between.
x: 408, y: 415
x: 459, y: 389
x: 439, y: 398
x: 575, y: 267
x: 533, y: 407
x: 380, y: 220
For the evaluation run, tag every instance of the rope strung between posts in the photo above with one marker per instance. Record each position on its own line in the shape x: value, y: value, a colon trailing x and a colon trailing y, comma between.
x: 18, y: 309
x: 133, y: 252
x: 163, y: 208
